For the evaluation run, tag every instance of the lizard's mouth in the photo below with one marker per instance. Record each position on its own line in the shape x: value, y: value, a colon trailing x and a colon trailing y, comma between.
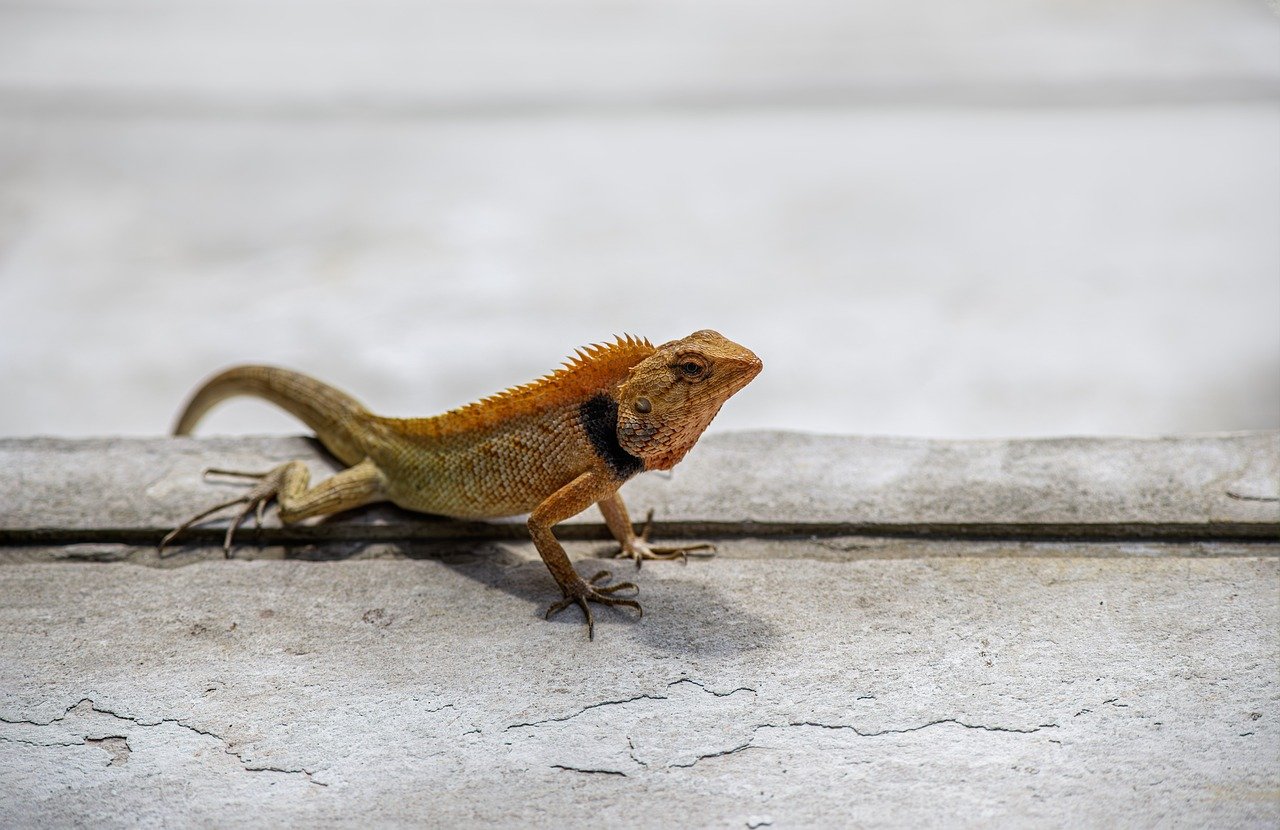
x: 746, y: 367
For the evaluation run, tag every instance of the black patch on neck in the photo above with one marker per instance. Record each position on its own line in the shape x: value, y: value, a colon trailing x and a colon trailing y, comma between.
x: 599, y: 418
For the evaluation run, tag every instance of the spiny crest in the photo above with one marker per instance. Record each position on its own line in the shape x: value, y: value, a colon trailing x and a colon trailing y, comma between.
x: 589, y: 370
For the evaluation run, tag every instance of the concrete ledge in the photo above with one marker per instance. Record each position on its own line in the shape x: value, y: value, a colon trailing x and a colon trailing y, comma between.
x: 745, y: 484
x: 828, y: 677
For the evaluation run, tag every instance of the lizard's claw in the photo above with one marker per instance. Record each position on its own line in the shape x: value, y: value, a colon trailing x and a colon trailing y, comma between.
x: 595, y: 590
x: 254, y: 501
x: 639, y: 549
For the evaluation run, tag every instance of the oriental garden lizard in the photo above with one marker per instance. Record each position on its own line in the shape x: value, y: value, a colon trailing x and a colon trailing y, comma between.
x: 550, y: 448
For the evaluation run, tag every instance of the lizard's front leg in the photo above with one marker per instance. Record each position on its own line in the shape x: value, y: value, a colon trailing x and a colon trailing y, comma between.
x: 564, y: 503
x: 289, y: 484
x: 614, y: 510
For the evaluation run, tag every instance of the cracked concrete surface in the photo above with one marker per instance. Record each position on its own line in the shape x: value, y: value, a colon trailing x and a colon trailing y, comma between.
x: 82, y: 717
x: 892, y: 691
x: 793, y: 680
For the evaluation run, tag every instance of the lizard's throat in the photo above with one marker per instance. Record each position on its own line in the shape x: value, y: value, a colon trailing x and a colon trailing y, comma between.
x: 598, y: 416
x: 662, y: 444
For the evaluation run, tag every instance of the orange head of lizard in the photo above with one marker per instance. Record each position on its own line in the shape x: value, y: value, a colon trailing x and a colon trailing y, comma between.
x: 670, y: 397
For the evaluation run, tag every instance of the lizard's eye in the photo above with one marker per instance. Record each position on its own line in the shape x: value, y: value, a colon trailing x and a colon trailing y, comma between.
x: 692, y: 367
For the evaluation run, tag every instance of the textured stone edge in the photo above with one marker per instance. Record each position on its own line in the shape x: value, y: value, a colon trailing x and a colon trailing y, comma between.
x: 65, y: 491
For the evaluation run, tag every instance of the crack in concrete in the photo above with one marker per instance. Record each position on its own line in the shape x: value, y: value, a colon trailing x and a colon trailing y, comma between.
x: 1249, y: 497
x: 710, y: 691
x: 939, y: 722
x: 585, y: 709
x: 39, y: 743
x: 750, y: 744
x: 137, y: 721
x: 590, y: 771
x: 603, y: 703
x: 440, y: 708
x: 632, y: 752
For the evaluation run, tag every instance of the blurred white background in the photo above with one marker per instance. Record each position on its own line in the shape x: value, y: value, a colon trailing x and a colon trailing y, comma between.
x: 989, y: 218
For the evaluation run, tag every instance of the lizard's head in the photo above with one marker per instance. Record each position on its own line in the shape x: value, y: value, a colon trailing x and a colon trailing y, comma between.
x: 671, y: 396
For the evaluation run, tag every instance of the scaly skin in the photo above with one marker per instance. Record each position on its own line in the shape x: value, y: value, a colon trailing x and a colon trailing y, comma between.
x: 550, y: 448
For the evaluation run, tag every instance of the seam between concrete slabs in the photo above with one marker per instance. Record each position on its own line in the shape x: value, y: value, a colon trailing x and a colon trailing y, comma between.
x: 826, y: 549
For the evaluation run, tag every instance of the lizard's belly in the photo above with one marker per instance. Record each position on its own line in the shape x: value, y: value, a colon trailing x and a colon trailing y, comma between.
x: 499, y: 475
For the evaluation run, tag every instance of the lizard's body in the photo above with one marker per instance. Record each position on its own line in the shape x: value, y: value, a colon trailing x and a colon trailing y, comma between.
x: 549, y: 448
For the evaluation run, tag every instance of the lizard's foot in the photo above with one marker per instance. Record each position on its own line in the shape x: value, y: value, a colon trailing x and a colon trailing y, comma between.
x: 594, y: 590
x: 254, y: 501
x: 639, y: 549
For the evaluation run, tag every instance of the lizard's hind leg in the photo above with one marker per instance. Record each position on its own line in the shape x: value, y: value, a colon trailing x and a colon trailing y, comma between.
x: 288, y: 484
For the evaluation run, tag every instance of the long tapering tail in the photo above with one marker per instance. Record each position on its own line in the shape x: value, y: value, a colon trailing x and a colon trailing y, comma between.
x: 328, y: 411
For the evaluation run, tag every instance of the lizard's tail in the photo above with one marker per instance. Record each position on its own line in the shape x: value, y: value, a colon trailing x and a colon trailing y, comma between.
x: 326, y: 410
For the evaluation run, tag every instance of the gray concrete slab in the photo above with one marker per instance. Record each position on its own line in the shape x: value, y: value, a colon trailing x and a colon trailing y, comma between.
x: 819, y: 677
x: 737, y: 484
x: 948, y: 690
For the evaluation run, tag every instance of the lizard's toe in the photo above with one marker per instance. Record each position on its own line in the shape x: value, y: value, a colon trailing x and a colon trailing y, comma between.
x: 640, y: 550
x: 587, y: 592
x: 253, y: 502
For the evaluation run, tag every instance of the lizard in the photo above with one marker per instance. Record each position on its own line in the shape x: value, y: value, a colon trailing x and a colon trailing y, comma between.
x: 549, y: 448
